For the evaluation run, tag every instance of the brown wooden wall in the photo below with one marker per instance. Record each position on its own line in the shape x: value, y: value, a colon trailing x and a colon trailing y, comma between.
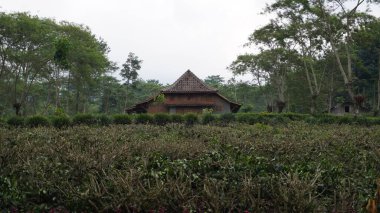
x: 184, y: 103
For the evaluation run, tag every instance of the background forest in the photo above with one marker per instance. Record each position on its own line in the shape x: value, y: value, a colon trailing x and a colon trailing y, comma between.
x: 311, y: 56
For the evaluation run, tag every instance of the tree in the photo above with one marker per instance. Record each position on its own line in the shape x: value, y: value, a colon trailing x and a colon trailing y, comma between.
x: 26, y: 49
x: 38, y: 54
x: 339, y: 22
x: 367, y: 45
x: 62, y: 46
x: 129, y: 72
x: 294, y: 27
x: 214, y: 81
x: 88, y: 62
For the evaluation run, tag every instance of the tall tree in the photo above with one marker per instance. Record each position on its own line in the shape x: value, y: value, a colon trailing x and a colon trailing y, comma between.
x: 296, y: 28
x: 62, y: 46
x: 129, y: 72
x: 339, y: 21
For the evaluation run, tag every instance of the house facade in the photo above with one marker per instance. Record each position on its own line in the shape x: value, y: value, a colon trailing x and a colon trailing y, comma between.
x: 187, y: 94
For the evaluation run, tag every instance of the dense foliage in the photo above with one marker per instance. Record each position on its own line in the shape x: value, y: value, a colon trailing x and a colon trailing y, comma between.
x: 295, y: 167
x: 314, y: 55
x: 63, y: 121
x: 47, y: 66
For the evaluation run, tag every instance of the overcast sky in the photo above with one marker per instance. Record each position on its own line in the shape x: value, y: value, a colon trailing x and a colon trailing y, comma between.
x: 170, y: 36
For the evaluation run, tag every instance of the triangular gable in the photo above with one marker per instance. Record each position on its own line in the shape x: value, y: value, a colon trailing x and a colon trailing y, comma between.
x: 188, y: 83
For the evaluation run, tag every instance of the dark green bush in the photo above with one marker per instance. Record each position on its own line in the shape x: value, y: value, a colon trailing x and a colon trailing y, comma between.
x: 162, y: 118
x: 103, y: 120
x: 87, y: 119
x: 227, y: 118
x: 311, y: 120
x: 277, y: 119
x: 61, y: 121
x: 295, y: 116
x: 345, y: 120
x: 208, y: 118
x: 122, y: 119
x: 327, y: 119
x: 176, y: 118
x: 247, y: 118
x: 190, y: 119
x: 143, y: 119
x: 16, y: 121
x: 370, y: 121
x: 37, y: 120
x: 3, y: 122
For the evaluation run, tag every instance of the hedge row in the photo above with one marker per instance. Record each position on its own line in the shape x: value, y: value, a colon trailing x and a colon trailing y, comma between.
x: 188, y: 119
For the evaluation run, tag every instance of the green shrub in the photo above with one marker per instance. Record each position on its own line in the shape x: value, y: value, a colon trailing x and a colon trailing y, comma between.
x: 177, y: 118
x: 208, y: 118
x: 87, y: 119
x: 61, y: 121
x: 327, y: 119
x: 3, y: 122
x: 143, y: 119
x: 311, y: 120
x: 295, y: 116
x: 37, y: 120
x: 345, y: 120
x: 162, y: 118
x: 103, y: 120
x: 16, y: 121
x: 190, y: 119
x: 370, y: 121
x: 248, y: 118
x: 227, y: 118
x: 122, y: 119
x: 277, y: 119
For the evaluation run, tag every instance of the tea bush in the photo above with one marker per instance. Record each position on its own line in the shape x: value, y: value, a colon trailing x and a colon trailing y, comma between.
x: 16, y: 121
x: 190, y: 119
x: 208, y: 118
x: 61, y: 121
x: 87, y: 119
x: 122, y: 119
x: 177, y: 118
x: 103, y: 120
x: 144, y: 119
x: 161, y: 118
x: 37, y: 120
x: 297, y: 167
x: 3, y: 122
x: 227, y: 118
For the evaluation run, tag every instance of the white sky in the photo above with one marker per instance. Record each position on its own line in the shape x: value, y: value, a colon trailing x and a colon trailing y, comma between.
x: 171, y: 36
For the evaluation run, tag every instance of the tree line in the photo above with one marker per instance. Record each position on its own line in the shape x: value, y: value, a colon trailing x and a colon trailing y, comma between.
x: 314, y: 54
x: 47, y: 67
x: 311, y: 56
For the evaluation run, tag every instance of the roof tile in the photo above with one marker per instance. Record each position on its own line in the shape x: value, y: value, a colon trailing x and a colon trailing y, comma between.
x: 188, y: 83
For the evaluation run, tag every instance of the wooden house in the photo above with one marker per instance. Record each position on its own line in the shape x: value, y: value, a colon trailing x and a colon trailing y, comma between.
x: 187, y: 94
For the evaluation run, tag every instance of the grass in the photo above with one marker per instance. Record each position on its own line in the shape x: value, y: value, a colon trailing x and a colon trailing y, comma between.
x: 293, y: 167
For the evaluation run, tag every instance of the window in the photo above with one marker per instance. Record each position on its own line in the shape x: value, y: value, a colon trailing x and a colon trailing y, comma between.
x: 346, y: 108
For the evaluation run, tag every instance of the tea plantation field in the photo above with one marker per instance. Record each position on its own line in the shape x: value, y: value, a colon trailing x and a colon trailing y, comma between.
x: 292, y: 167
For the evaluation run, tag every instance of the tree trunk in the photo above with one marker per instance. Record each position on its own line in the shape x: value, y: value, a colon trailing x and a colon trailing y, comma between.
x: 378, y: 85
x: 57, y: 90
x: 331, y: 92
x: 77, y: 101
x: 126, y: 99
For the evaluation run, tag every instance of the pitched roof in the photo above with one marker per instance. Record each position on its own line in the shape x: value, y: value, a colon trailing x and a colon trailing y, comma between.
x: 188, y: 83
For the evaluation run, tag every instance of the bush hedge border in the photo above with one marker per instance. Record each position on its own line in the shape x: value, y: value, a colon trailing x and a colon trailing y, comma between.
x: 187, y: 119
